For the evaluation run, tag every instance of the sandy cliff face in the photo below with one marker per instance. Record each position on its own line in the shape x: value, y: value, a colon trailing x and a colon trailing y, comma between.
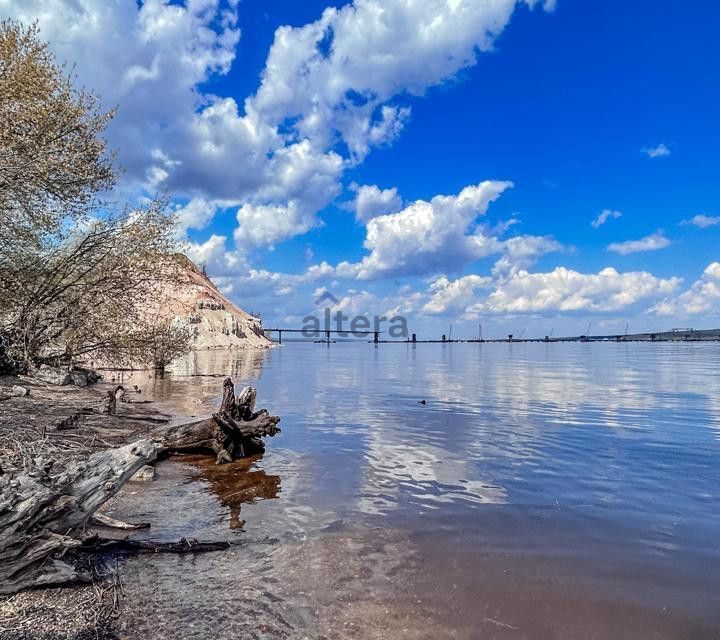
x: 190, y: 298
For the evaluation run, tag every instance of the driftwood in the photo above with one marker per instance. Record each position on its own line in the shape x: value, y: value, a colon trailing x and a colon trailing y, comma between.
x: 106, y: 521
x: 232, y: 432
x: 113, y: 397
x: 70, y: 422
x: 42, y: 516
x: 39, y: 514
x: 107, y: 545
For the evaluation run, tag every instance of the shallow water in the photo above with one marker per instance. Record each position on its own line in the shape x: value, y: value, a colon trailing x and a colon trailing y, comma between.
x: 542, y: 491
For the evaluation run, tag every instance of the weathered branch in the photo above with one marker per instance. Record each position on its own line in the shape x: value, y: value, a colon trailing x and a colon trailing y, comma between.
x: 39, y: 514
x: 106, y: 521
x: 106, y: 545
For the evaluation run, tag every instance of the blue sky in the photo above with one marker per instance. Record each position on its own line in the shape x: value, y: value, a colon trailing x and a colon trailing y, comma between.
x: 308, y: 149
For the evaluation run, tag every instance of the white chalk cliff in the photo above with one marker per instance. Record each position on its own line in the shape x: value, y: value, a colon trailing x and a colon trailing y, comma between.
x: 194, y: 301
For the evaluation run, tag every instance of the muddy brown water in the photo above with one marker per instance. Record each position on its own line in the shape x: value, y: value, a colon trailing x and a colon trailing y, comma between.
x: 541, y: 492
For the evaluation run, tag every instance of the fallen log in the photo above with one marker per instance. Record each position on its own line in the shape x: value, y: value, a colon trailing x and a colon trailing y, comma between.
x: 39, y: 513
x: 233, y: 432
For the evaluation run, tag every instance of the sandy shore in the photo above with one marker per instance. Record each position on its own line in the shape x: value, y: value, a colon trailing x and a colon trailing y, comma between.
x: 28, y: 427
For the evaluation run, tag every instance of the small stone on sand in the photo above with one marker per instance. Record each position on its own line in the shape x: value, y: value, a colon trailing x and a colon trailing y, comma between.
x: 144, y: 474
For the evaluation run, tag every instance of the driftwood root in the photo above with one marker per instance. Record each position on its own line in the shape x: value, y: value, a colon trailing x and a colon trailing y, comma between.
x: 233, y: 432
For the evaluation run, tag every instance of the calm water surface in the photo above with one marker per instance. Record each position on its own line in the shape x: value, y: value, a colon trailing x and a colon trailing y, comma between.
x: 542, y: 491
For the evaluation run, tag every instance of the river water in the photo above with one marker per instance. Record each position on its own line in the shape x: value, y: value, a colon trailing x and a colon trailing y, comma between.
x: 533, y: 491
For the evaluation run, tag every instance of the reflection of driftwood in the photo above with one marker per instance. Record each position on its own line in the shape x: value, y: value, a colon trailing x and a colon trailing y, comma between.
x: 39, y: 514
x: 238, y: 484
x: 232, y: 432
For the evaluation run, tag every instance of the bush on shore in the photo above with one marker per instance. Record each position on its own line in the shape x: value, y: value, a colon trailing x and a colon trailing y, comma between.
x: 75, y: 268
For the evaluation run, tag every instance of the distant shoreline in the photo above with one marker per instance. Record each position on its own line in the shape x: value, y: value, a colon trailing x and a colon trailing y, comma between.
x: 674, y: 335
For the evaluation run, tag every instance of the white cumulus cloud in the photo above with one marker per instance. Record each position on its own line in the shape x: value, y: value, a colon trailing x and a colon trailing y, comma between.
x: 702, y: 221
x: 213, y: 253
x: 604, y: 216
x: 660, y: 151
x: 653, y: 242
x: 371, y: 201
x: 520, y: 252
x: 439, y: 236
x: 196, y: 214
x: 337, y: 75
x: 703, y: 297
x: 566, y: 290
x: 453, y: 296
x: 428, y: 236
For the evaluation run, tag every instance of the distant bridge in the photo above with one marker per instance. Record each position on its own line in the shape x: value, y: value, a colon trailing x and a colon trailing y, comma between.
x: 308, y: 333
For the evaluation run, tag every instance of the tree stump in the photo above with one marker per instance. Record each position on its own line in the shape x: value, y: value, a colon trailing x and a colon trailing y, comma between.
x: 233, y: 432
